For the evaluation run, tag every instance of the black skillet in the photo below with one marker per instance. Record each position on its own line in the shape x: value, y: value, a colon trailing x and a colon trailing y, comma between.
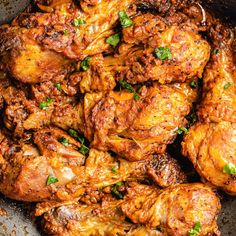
x: 19, y: 223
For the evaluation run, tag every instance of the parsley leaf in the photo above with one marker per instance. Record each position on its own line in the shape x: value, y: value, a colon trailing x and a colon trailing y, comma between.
x: 58, y: 86
x: 163, y: 53
x: 216, y: 51
x: 126, y: 86
x: 44, y: 105
x: 230, y: 169
x: 227, y: 86
x: 114, y: 169
x: 116, y: 192
x: 51, y: 180
x: 191, y: 118
x: 125, y: 21
x: 65, y: 31
x: 136, y: 97
x: 193, y: 84
x: 129, y: 88
x: 113, y: 40
x: 78, y: 22
x: 84, y: 150
x: 196, y: 229
x: 84, y: 65
x: 64, y: 141
x: 182, y: 130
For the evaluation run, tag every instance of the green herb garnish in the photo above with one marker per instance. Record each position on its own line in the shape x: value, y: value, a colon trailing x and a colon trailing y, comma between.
x: 113, y: 40
x: 129, y: 88
x: 136, y: 97
x: 51, y: 180
x: 65, y: 31
x: 193, y: 84
x: 84, y: 150
x: 116, y: 192
x: 114, y: 169
x: 125, y: 21
x: 78, y: 22
x: 196, y: 229
x: 182, y: 130
x: 191, y: 118
x: 227, y: 86
x: 163, y: 53
x: 230, y: 169
x: 216, y: 51
x: 64, y: 141
x: 84, y: 65
x: 44, y: 105
x: 58, y: 86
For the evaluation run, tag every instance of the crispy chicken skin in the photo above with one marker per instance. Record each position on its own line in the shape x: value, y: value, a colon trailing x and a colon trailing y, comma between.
x: 25, y: 168
x: 136, y: 62
x: 96, y: 219
x: 211, y: 143
x: 136, y: 129
x: 173, y: 210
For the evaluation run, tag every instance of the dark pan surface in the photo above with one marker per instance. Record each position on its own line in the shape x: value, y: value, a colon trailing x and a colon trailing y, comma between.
x: 18, y: 221
x: 10, y: 8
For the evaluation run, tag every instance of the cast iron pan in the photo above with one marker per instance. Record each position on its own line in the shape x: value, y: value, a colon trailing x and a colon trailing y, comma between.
x: 18, y: 221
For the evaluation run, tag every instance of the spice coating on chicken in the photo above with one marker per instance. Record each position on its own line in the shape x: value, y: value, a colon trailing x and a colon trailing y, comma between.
x: 210, y: 144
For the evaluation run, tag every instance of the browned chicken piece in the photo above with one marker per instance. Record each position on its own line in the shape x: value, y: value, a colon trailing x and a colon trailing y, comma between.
x: 173, y: 211
x: 27, y: 61
x: 219, y: 89
x: 212, y: 147
x: 177, y: 54
x: 34, y: 45
x: 28, y: 173
x: 151, y: 51
x: 54, y: 167
x: 211, y: 143
x: 97, y: 219
x: 176, y: 210
x: 135, y: 128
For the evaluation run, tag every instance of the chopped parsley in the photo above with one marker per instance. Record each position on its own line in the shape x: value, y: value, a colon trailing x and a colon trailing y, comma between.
x: 113, y: 40
x: 51, y: 180
x: 78, y: 22
x: 129, y: 88
x: 114, y: 169
x: 83, y: 149
x: 44, y: 105
x: 116, y: 192
x: 191, y: 118
x: 136, y: 97
x: 196, y: 229
x: 163, y: 53
x: 125, y: 21
x: 84, y: 65
x: 193, y: 84
x: 64, y: 141
x: 216, y: 51
x: 65, y: 31
x: 182, y: 130
x: 58, y: 86
x: 227, y: 86
x: 230, y: 169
